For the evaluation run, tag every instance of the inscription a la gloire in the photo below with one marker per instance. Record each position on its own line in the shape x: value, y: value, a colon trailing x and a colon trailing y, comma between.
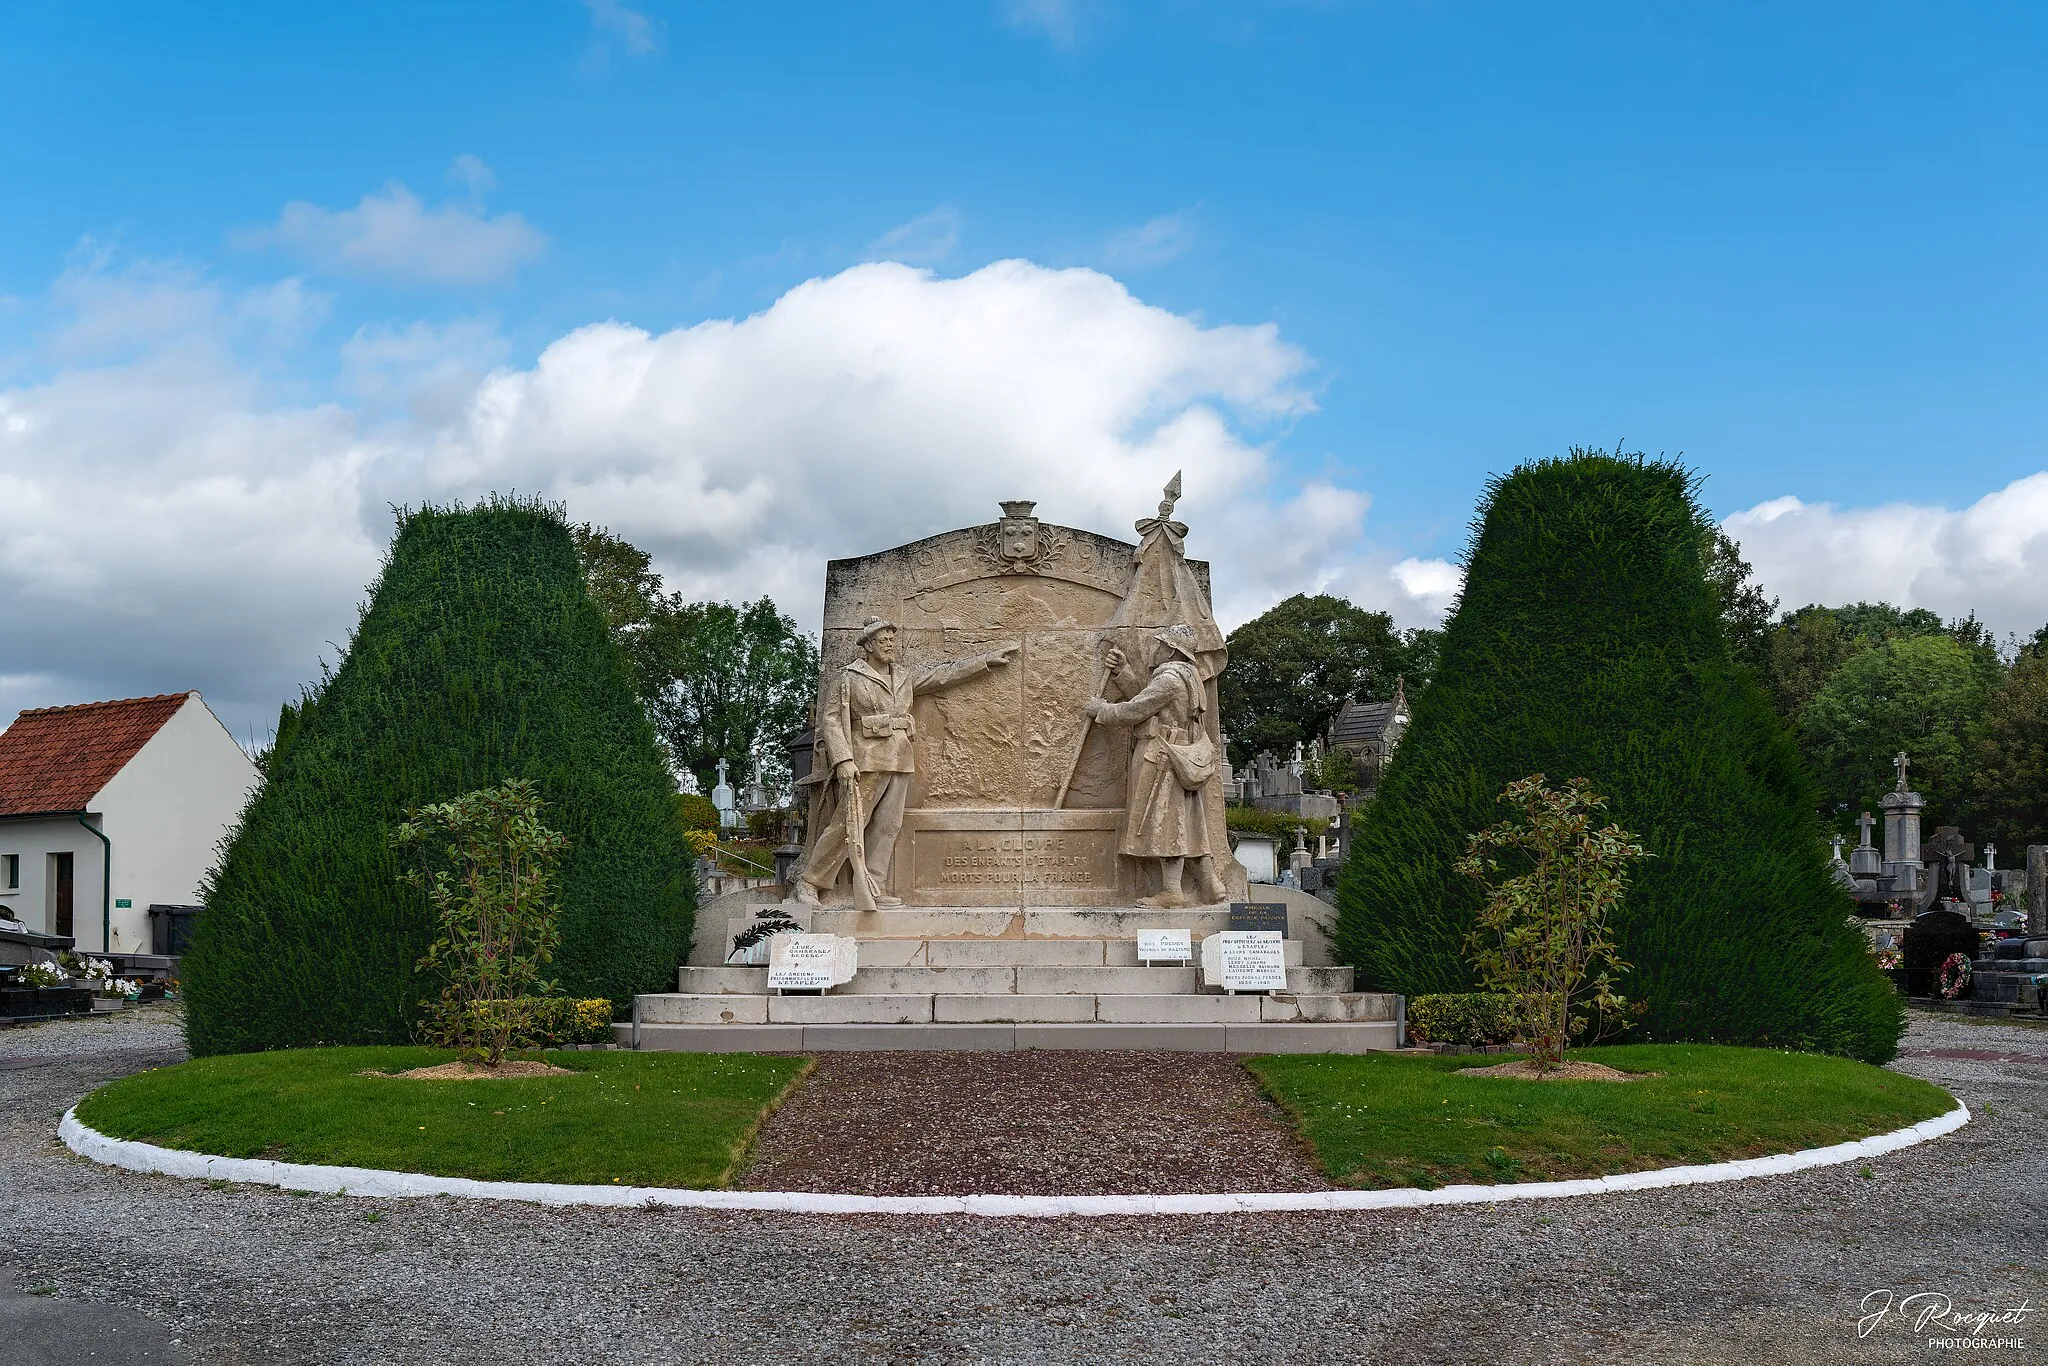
x: 1043, y: 860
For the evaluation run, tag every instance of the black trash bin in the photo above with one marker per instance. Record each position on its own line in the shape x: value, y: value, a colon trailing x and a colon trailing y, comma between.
x: 170, y: 929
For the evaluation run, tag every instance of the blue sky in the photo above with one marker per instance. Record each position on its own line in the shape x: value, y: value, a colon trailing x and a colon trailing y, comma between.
x: 1805, y: 245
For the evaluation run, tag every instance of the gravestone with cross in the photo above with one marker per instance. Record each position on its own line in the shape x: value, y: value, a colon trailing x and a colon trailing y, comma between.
x: 1864, y: 860
x: 1947, y: 852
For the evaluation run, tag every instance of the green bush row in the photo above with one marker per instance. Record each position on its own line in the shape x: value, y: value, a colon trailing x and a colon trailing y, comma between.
x: 1463, y: 1017
x: 1255, y: 820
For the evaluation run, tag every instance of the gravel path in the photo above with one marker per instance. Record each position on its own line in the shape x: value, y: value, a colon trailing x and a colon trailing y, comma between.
x: 1768, y: 1271
x: 1029, y: 1124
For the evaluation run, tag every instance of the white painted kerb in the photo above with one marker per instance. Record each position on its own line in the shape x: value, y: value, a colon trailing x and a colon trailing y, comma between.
x: 147, y: 1157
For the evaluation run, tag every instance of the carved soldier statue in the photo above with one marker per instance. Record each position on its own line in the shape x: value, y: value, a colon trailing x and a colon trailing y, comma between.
x: 1175, y: 773
x: 865, y: 738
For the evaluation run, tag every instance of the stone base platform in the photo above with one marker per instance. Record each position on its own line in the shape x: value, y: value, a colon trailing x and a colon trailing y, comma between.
x: 1363, y: 1037
x: 994, y: 978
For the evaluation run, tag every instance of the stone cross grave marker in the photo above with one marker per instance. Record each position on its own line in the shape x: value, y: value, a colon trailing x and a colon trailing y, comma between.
x: 1946, y: 851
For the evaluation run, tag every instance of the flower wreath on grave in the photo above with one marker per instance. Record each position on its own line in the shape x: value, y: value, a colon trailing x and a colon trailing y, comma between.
x: 1955, y: 976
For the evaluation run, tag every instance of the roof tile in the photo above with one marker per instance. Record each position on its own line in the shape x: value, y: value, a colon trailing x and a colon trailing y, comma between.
x: 56, y: 759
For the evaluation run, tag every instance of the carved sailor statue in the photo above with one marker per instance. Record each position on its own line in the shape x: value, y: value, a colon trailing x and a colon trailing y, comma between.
x: 866, y: 740
x: 1175, y: 775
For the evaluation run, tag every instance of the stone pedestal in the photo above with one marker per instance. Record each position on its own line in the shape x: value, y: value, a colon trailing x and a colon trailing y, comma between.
x: 1902, y: 845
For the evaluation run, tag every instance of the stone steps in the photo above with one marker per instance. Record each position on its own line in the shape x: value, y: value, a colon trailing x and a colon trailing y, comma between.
x: 1264, y: 1037
x: 1002, y: 980
x: 1015, y: 1008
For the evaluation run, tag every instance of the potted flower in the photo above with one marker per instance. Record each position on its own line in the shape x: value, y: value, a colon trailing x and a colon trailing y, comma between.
x: 109, y: 993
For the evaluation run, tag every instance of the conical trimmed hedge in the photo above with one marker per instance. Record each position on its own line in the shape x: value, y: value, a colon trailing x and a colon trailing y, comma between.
x: 1586, y: 645
x: 481, y: 657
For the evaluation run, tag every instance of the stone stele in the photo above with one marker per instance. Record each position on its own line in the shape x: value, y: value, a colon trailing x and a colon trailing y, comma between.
x: 986, y: 823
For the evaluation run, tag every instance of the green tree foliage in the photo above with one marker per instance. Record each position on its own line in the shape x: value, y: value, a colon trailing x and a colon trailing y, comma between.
x: 623, y: 584
x: 2009, y: 778
x: 479, y: 658
x: 1544, y: 934
x: 1294, y: 667
x: 1588, y: 641
x: 719, y: 681
x: 1745, y: 612
x: 1921, y: 694
x: 496, y: 900
x: 737, y: 683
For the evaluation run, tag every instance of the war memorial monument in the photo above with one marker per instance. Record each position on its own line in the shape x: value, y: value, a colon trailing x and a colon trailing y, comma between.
x: 1015, y: 833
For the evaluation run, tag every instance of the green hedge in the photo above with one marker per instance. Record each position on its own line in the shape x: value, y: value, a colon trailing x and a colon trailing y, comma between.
x: 553, y: 1021
x: 1586, y: 644
x: 1256, y: 820
x: 479, y: 658
x: 1467, y: 1017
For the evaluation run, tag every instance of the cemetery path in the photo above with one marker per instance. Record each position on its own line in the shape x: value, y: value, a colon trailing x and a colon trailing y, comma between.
x: 1756, y: 1272
x: 1030, y: 1123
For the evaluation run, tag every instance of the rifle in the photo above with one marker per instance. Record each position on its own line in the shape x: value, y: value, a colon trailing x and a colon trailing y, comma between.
x: 857, y: 846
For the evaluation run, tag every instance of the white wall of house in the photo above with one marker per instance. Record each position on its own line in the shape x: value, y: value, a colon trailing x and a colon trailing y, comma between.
x: 165, y: 812
x: 34, y: 903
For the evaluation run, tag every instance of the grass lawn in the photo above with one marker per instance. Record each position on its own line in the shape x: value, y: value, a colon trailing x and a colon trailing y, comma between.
x: 638, y: 1119
x: 1379, y: 1120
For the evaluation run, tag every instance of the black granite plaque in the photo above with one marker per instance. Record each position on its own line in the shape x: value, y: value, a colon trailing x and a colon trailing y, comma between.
x: 1259, y: 915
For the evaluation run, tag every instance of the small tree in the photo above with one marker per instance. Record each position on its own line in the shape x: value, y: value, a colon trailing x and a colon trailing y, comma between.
x: 1542, y: 936
x: 495, y: 899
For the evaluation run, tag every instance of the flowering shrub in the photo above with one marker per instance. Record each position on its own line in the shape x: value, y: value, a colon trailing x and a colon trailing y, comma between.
x: 494, y: 896
x: 1542, y: 937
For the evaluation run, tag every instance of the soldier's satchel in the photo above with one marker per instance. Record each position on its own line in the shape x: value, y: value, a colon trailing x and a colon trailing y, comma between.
x: 880, y: 725
x: 1193, y: 763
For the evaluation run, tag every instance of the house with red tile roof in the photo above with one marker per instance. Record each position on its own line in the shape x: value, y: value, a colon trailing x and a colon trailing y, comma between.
x: 109, y: 808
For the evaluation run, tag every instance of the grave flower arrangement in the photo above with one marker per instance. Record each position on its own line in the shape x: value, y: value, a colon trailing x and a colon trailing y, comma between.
x: 43, y: 975
x: 1888, y: 959
x: 1954, y: 979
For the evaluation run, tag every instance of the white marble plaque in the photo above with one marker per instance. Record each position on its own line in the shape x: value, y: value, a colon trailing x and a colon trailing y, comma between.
x: 1165, y: 946
x: 810, y: 962
x: 1245, y: 960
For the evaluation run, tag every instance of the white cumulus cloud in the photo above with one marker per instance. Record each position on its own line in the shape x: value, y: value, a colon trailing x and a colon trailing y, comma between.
x: 391, y: 235
x: 176, y: 520
x: 1990, y: 557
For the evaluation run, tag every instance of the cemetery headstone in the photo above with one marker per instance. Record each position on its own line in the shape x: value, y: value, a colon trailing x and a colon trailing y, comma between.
x: 2037, y: 889
x: 1930, y: 939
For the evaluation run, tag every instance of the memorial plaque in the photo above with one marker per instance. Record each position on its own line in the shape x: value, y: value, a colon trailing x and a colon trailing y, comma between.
x: 1245, y: 960
x: 810, y: 962
x: 1165, y: 946
x: 1259, y: 915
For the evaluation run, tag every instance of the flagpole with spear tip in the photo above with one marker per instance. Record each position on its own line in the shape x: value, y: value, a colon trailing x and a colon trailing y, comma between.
x: 1171, y: 495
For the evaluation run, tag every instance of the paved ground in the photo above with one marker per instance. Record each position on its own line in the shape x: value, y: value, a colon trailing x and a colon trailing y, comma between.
x: 1768, y: 1271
